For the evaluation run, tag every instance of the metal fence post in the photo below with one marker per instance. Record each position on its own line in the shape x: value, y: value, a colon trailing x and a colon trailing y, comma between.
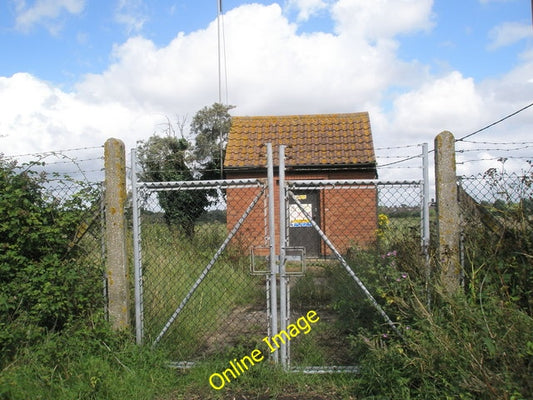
x: 425, y: 217
x: 137, y: 260
x: 284, y: 311
x: 115, y: 234
x: 272, y: 243
x: 447, y: 212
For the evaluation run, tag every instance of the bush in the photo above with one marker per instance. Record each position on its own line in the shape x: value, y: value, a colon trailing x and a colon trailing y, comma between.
x: 474, y: 345
x: 46, y: 281
x: 459, y: 350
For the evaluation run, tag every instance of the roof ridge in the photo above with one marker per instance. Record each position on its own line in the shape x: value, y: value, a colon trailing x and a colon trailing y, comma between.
x: 300, y: 115
x: 315, y: 139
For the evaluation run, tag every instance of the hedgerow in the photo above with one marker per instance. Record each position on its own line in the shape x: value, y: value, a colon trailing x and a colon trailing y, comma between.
x: 46, y: 283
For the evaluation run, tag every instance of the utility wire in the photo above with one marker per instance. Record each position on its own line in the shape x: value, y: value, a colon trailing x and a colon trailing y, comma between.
x: 493, y: 149
x: 494, y: 123
x: 497, y: 143
x: 53, y: 152
x: 399, y: 161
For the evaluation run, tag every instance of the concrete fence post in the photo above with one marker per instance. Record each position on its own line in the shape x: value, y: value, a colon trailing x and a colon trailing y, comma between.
x: 448, y: 218
x: 115, y: 234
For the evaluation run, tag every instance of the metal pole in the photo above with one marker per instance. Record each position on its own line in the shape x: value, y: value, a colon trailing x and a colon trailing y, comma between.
x: 284, y: 311
x: 346, y: 266
x: 219, y: 12
x: 103, y: 248
x: 137, y: 262
x: 425, y: 216
x: 272, y: 234
x: 207, y: 269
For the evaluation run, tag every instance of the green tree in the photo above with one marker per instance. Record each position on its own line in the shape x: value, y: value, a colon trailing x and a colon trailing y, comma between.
x: 170, y: 158
x: 164, y: 159
x: 210, y: 128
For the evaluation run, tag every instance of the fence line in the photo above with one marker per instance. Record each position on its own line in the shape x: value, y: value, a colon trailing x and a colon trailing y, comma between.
x: 478, y: 157
x: 72, y: 180
x: 499, y: 182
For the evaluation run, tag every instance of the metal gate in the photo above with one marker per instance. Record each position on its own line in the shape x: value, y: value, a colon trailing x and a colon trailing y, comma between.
x: 241, y: 279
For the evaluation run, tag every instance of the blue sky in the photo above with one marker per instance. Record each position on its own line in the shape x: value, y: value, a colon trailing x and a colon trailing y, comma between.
x: 61, y: 47
x: 76, y: 71
x: 462, y: 35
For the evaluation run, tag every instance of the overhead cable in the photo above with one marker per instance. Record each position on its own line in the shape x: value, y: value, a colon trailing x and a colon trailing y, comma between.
x: 494, y: 123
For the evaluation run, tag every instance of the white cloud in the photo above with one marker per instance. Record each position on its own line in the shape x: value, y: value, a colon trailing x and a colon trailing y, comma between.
x: 131, y: 14
x: 307, y: 8
x: 39, y: 117
x: 45, y: 12
x: 508, y: 33
x: 382, y: 19
x: 272, y: 69
x: 451, y: 102
x: 312, y: 72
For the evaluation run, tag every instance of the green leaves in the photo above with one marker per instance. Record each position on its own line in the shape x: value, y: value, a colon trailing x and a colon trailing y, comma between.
x: 211, y: 126
x: 170, y: 158
x: 46, y: 280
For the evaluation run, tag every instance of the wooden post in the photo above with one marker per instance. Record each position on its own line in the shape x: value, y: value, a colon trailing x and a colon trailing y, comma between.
x: 447, y: 212
x: 115, y: 234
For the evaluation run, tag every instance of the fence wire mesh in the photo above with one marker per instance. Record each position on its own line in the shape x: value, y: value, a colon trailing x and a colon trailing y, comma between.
x: 202, y: 298
x: 66, y: 215
x: 71, y: 182
x: 376, y: 228
x: 497, y: 215
x: 199, y: 297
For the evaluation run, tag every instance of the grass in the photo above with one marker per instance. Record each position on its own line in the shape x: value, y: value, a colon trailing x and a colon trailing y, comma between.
x: 94, y: 363
x: 265, y: 381
x: 465, y: 347
x: 172, y: 265
x: 86, y: 363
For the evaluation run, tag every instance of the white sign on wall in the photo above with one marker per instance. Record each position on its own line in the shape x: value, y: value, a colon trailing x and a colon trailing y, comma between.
x: 297, y: 218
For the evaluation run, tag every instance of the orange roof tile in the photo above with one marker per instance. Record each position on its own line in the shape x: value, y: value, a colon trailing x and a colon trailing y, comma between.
x: 311, y: 140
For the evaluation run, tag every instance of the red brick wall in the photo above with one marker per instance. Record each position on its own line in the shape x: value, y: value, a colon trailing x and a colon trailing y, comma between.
x: 348, y: 216
x: 254, y: 229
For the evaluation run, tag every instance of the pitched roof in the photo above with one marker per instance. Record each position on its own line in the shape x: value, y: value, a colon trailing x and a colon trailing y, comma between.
x: 322, y: 140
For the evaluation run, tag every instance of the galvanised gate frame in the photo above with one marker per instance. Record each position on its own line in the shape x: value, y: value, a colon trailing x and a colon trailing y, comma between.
x: 277, y: 298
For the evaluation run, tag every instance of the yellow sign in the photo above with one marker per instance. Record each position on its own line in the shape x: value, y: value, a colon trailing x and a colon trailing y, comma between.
x: 297, y: 218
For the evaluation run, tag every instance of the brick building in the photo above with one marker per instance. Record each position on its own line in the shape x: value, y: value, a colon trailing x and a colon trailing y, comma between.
x: 319, y: 147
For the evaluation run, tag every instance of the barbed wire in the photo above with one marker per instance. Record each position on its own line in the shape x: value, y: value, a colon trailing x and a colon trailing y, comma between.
x: 396, y: 162
x: 493, y: 149
x: 499, y: 159
x: 69, y: 161
x: 402, y: 167
x: 63, y: 163
x: 394, y: 157
x: 400, y: 161
x: 52, y: 152
x: 496, y: 143
x: 397, y: 147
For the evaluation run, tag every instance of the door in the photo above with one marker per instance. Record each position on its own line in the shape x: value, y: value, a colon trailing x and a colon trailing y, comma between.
x: 301, y: 231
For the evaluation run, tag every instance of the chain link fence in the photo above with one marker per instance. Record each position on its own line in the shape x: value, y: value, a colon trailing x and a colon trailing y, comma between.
x: 497, y: 214
x: 205, y: 279
x: 71, y: 181
x: 377, y: 230
x: 53, y: 229
x: 198, y: 295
